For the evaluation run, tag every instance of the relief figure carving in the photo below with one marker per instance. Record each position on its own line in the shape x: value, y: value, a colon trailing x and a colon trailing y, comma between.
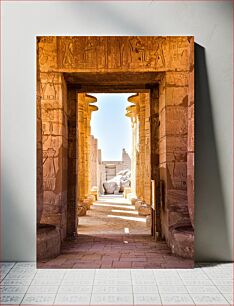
x: 89, y: 53
x: 67, y: 53
x: 49, y: 172
x: 137, y: 50
x: 49, y: 90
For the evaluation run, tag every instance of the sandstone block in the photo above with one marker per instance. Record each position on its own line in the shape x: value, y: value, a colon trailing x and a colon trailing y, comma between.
x: 149, y: 221
x: 144, y: 210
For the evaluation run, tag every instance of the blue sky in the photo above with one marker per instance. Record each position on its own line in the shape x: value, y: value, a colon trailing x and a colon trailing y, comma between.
x: 110, y: 125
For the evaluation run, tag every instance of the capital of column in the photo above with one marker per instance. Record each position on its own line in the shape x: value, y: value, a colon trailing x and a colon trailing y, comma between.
x: 134, y: 98
x: 90, y: 99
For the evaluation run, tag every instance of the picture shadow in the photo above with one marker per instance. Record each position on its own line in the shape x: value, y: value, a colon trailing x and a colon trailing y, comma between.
x: 210, y: 215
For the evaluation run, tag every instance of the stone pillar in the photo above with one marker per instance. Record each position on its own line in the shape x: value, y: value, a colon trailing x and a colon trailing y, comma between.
x: 84, y: 133
x: 72, y: 161
x: 39, y: 151
x: 155, y: 174
x: 90, y: 108
x: 190, y: 155
x: 132, y: 113
x: 147, y: 151
x: 173, y: 114
x: 94, y: 161
x: 141, y: 146
x: 54, y: 144
x: 81, y: 161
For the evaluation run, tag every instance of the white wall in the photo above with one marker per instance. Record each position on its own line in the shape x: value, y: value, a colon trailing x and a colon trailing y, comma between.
x: 211, y: 24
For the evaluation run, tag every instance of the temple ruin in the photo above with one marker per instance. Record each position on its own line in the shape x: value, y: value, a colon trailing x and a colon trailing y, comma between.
x: 160, y: 71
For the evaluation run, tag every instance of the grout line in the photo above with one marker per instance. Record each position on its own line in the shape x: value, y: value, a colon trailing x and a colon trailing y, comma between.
x: 94, y: 275
x: 133, y: 298
x: 157, y: 288
x: 29, y: 286
x: 59, y: 287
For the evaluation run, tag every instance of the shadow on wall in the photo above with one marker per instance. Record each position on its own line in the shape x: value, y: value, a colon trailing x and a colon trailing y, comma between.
x: 210, y: 215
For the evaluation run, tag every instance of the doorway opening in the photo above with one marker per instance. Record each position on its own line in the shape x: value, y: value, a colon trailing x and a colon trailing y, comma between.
x: 112, y: 181
x: 158, y: 71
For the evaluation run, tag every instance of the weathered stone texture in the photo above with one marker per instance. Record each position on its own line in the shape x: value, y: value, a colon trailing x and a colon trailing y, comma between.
x: 163, y: 125
x: 72, y: 163
x: 54, y: 144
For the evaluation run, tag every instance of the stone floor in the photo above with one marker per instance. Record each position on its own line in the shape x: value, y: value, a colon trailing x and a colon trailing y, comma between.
x: 207, y: 284
x: 112, y: 235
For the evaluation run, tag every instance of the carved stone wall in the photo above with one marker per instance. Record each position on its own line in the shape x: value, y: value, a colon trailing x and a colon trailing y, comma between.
x: 172, y: 59
x: 39, y: 153
x: 54, y: 145
x: 190, y: 155
x: 90, y: 53
x: 173, y: 116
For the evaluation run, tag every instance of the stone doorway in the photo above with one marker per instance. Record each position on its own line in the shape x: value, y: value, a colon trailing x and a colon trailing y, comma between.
x: 162, y: 118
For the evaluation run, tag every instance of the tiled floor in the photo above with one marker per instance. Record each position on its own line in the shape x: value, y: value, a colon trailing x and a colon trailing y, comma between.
x: 113, y: 235
x: 207, y: 284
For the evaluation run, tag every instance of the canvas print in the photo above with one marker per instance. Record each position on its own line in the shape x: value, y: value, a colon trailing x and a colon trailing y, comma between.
x: 115, y: 152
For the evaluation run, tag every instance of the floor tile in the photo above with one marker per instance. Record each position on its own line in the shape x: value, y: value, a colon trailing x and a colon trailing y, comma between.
x: 143, y: 281
x: 16, y: 282
x: 115, y: 282
x: 176, y: 299
x: 197, y: 282
x: 202, y: 289
x: 65, y: 289
x: 169, y: 282
x: 72, y: 299
x: 20, y: 276
x: 111, y: 299
x: 145, y: 289
x: 229, y: 298
x: 38, y: 298
x: 225, y: 289
x: 43, y: 289
x: 79, y: 281
x: 13, y: 289
x: 111, y: 289
x: 11, y: 299
x: 164, y: 289
x: 26, y: 264
x: 209, y: 299
x: 45, y: 282
x: 147, y: 299
x: 6, y: 264
x: 222, y: 282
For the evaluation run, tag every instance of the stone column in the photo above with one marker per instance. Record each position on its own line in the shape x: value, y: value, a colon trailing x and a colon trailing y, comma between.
x: 72, y: 161
x: 93, y: 161
x: 39, y: 151
x: 147, y: 151
x: 132, y: 113
x: 173, y: 115
x: 84, y: 133
x: 89, y: 109
x: 54, y: 144
x: 141, y: 146
x: 190, y: 155
x: 81, y: 162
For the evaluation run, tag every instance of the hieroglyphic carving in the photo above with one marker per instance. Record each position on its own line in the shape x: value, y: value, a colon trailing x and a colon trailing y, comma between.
x: 67, y: 52
x: 47, y: 50
x: 48, y: 89
x: 49, y: 171
x: 90, y: 53
x: 137, y: 50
